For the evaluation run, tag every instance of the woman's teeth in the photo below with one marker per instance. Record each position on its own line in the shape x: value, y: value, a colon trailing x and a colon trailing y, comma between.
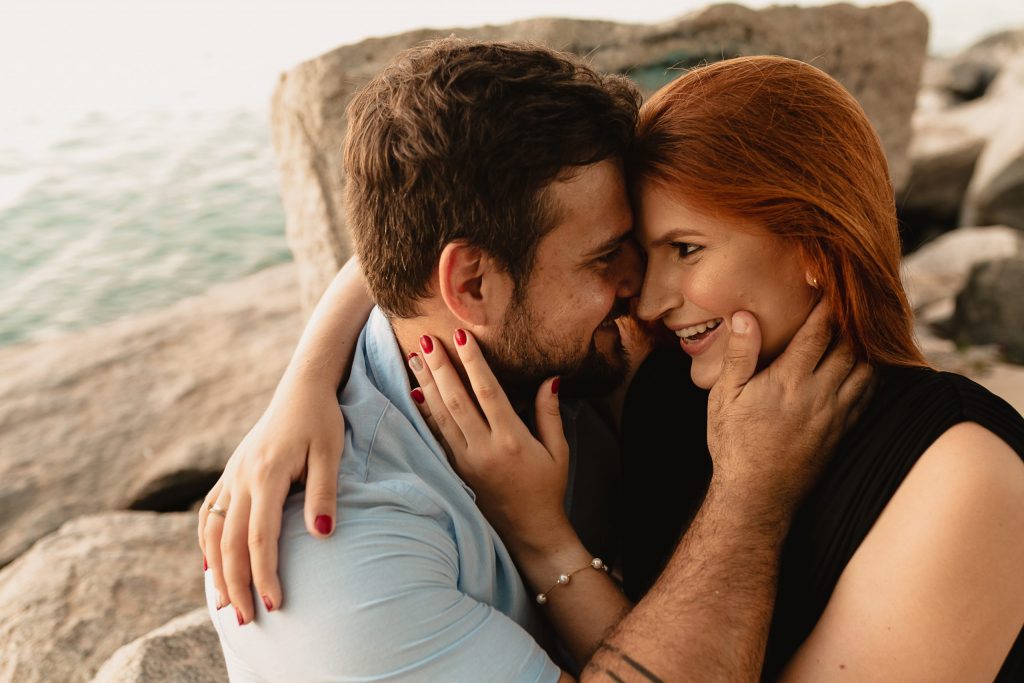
x: 693, y: 333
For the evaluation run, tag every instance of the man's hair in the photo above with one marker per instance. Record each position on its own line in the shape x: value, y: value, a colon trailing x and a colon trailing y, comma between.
x: 458, y: 140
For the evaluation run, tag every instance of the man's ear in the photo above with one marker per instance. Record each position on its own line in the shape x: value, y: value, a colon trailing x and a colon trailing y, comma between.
x: 472, y: 285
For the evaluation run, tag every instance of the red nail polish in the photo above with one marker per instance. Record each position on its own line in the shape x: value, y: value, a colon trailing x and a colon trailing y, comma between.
x: 267, y: 603
x: 323, y: 524
x: 417, y: 395
x: 205, y: 566
x: 427, y: 344
x: 238, y: 614
x: 555, y: 385
x: 460, y: 337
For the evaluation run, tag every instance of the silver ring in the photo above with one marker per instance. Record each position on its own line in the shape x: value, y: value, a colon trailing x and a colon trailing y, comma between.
x: 217, y: 510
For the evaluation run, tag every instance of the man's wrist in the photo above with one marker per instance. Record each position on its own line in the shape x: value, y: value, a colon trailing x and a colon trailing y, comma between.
x: 748, y: 510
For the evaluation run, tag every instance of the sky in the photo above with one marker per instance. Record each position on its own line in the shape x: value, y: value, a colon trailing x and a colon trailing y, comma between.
x: 64, y: 57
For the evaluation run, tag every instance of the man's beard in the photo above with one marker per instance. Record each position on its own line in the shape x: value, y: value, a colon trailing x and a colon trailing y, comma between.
x: 524, y: 356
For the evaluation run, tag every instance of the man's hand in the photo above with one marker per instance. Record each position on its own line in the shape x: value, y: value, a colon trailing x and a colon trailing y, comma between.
x: 300, y: 436
x: 771, y: 433
x: 707, y: 616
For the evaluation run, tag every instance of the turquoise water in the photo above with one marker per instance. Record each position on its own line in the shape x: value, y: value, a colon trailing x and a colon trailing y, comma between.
x: 112, y: 215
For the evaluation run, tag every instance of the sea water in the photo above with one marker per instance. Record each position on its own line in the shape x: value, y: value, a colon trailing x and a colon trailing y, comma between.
x: 107, y: 215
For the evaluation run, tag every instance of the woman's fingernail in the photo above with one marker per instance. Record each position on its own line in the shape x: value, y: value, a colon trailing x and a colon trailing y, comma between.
x: 238, y: 614
x: 460, y: 337
x: 739, y: 323
x: 205, y: 566
x: 415, y: 362
x: 427, y: 344
x: 555, y: 385
x: 220, y: 602
x: 267, y: 603
x: 417, y: 395
x: 323, y: 524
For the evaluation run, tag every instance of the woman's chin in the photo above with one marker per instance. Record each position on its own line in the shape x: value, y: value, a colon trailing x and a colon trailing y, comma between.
x: 703, y: 375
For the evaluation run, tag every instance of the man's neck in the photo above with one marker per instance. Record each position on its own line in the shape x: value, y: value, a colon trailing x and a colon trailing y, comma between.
x: 409, y: 331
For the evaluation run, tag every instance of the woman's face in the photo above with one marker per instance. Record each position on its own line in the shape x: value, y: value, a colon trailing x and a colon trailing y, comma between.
x: 702, y: 268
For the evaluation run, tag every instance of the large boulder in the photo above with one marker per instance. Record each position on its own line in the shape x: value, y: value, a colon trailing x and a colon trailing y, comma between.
x: 990, y: 309
x: 139, y: 413
x: 876, y: 52
x: 185, y: 649
x: 996, y: 190
x: 99, y: 582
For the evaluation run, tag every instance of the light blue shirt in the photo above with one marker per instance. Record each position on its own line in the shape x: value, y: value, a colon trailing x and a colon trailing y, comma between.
x: 414, y: 584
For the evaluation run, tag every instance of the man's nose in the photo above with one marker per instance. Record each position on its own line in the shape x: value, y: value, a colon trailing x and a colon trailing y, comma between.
x: 631, y: 273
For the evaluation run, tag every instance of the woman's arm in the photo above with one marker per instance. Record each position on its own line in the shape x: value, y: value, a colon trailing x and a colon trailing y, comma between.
x: 530, y: 517
x: 299, y: 436
x: 935, y: 591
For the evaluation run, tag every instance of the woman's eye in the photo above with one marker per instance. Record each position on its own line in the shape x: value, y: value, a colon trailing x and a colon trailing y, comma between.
x: 685, y: 248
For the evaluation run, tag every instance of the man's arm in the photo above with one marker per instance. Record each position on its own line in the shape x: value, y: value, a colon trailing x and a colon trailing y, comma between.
x: 934, y: 593
x: 299, y: 436
x: 707, y: 616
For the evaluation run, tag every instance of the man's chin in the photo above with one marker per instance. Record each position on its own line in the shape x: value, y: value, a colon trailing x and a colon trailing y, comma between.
x: 599, y: 374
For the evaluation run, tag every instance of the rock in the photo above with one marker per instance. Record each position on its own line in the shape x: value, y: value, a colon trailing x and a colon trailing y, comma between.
x: 876, y: 52
x: 185, y: 649
x: 939, y: 270
x: 142, y: 412
x: 996, y: 190
x: 97, y: 583
x: 968, y: 75
x: 944, y: 150
x: 990, y: 309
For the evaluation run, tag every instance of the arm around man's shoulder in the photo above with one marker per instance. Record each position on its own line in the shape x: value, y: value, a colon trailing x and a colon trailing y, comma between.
x: 379, y: 599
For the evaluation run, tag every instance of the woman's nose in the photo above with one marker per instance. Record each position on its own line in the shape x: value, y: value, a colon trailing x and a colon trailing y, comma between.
x: 655, y: 297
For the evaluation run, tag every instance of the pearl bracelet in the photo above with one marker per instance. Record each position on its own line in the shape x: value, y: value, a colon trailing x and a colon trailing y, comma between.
x: 564, y: 579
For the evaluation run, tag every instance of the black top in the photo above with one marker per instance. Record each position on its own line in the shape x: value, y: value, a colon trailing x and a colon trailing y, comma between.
x: 666, y: 469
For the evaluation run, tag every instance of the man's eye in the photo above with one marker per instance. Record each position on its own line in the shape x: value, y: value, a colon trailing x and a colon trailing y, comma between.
x: 685, y: 248
x: 611, y: 255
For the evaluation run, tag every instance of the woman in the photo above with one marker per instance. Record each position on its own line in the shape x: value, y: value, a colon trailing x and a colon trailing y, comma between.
x: 759, y: 185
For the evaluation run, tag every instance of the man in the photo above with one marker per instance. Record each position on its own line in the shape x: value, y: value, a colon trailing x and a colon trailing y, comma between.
x: 484, y: 192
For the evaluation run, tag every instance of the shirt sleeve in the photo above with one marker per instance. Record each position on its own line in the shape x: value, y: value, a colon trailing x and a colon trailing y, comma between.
x: 378, y: 601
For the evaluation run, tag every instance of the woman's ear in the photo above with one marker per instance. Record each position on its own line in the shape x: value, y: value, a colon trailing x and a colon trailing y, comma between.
x: 471, y: 284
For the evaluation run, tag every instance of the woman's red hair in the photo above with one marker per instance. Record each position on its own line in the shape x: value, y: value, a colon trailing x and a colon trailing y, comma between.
x: 781, y: 143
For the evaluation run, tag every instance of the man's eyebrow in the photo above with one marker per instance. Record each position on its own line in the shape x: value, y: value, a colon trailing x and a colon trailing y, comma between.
x: 676, y: 235
x: 609, y: 244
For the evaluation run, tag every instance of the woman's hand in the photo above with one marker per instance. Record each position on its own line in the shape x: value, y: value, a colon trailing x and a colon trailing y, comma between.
x: 299, y: 437
x: 519, y: 481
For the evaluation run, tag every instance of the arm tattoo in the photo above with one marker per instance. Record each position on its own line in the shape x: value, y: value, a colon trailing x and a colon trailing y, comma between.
x: 647, y: 674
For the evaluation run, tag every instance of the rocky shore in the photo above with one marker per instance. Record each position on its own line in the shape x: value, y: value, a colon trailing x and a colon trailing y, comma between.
x: 110, y: 437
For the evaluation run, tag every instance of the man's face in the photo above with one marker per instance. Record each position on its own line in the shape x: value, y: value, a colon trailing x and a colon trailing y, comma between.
x: 584, y: 272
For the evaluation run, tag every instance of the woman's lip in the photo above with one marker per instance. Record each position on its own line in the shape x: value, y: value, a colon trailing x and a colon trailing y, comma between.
x: 697, y: 348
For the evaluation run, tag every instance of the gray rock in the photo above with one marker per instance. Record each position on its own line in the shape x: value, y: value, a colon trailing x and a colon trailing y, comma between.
x: 141, y: 412
x: 938, y: 271
x: 876, y: 52
x: 185, y: 649
x: 996, y: 191
x: 990, y: 309
x: 943, y: 154
x: 97, y: 583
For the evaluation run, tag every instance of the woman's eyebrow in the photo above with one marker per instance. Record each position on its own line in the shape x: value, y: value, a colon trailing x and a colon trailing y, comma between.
x: 674, y: 236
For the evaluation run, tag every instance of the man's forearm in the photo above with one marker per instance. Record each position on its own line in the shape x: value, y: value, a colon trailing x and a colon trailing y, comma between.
x: 707, y: 616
